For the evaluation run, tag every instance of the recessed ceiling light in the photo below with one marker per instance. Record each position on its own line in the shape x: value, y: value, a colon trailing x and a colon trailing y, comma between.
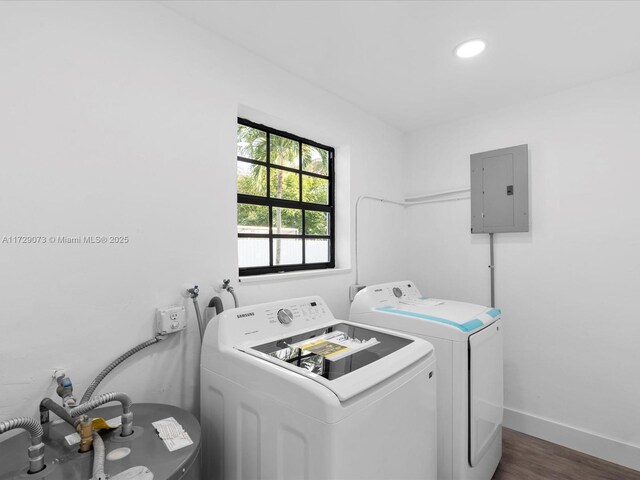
x: 470, y: 48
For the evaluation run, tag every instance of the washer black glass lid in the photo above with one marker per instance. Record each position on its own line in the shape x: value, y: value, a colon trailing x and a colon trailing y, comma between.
x: 310, y: 351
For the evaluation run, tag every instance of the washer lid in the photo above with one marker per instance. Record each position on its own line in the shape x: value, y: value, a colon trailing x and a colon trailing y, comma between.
x: 346, y: 358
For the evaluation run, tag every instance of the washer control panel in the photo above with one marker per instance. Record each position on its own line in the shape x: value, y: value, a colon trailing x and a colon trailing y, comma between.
x: 297, y: 313
x: 285, y: 316
x: 272, y: 319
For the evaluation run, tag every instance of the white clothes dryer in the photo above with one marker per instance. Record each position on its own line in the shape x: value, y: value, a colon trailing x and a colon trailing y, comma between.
x: 289, y: 392
x: 468, y: 343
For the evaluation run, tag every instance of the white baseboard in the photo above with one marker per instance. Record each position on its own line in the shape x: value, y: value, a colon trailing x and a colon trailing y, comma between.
x: 624, y: 454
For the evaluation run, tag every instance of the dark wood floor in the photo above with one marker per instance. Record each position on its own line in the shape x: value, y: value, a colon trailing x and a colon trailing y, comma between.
x: 529, y: 458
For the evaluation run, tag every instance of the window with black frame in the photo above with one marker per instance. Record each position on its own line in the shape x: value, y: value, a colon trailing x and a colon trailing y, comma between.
x: 285, y: 201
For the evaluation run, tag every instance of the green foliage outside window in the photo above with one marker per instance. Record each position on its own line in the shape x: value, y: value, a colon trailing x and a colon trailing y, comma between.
x: 252, y: 180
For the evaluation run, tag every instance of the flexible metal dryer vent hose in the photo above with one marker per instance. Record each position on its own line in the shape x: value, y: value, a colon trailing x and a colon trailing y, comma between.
x: 36, y: 450
x: 123, y: 398
x: 92, y: 388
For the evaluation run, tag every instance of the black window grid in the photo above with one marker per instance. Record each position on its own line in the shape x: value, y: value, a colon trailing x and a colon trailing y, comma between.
x: 294, y: 204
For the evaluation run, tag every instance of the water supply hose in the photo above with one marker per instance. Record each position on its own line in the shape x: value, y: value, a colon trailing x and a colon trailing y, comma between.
x: 196, y: 306
x: 235, y: 298
x: 226, y: 286
x: 193, y: 293
x: 98, y: 457
x: 36, y: 450
x: 92, y: 388
x: 123, y: 398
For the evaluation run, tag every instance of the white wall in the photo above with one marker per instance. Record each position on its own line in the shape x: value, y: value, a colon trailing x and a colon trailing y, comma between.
x: 119, y: 118
x: 569, y: 287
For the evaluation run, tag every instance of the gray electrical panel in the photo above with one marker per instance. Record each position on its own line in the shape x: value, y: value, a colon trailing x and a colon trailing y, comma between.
x: 500, y: 190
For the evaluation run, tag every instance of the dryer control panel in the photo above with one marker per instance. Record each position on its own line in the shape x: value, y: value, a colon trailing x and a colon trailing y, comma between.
x: 272, y: 319
x: 389, y: 293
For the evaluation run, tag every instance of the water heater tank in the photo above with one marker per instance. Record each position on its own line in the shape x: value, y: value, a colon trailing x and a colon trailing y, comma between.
x: 140, y: 456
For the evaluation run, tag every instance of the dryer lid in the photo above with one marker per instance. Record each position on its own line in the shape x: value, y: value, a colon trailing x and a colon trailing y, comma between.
x: 344, y: 357
x: 400, y: 306
x: 430, y: 317
x: 458, y: 316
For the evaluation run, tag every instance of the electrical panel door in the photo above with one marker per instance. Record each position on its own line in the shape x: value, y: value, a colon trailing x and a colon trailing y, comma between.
x: 500, y: 190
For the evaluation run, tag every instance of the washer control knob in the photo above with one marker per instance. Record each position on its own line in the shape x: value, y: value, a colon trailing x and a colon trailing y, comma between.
x: 397, y: 292
x: 285, y: 317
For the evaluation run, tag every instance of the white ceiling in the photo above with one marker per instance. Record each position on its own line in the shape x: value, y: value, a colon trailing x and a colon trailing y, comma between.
x: 395, y: 59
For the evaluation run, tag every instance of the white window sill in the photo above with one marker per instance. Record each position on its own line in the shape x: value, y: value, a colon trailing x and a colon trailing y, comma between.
x: 275, y: 277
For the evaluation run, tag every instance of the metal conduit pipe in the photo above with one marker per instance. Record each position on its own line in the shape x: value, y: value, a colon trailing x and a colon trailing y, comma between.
x: 36, y: 450
x: 492, y: 269
x: 123, y: 398
x: 98, y: 458
x: 92, y: 387
x: 47, y: 404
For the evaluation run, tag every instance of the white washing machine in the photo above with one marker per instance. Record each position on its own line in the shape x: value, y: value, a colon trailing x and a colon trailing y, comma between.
x: 289, y: 392
x: 468, y: 343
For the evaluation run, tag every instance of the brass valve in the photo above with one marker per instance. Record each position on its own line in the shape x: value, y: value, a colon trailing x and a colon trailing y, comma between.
x: 85, y: 429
